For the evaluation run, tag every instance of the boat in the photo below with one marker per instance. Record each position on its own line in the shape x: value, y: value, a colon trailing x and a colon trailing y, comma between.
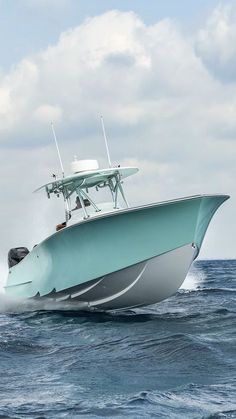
x: 108, y: 255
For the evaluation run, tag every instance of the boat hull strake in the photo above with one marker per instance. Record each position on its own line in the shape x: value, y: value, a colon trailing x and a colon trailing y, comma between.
x: 139, y: 285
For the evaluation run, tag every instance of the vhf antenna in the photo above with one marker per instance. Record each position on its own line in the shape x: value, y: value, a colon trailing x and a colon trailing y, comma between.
x: 105, y: 139
x: 58, y: 151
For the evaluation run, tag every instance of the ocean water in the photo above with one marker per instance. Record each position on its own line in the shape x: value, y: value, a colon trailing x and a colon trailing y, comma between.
x: 174, y: 360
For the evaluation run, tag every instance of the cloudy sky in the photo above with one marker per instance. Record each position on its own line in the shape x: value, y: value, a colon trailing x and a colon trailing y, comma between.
x: 163, y: 75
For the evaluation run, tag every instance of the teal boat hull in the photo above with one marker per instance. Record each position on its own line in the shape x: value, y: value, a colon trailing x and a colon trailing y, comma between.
x: 128, y: 258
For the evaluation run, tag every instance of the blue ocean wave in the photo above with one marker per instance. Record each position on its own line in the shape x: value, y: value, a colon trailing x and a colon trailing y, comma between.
x: 172, y: 360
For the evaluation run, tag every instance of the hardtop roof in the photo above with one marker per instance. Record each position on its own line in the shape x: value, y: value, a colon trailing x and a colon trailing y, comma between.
x: 87, y: 179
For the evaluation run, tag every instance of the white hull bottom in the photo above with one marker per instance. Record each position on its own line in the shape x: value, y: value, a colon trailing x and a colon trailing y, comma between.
x: 145, y: 283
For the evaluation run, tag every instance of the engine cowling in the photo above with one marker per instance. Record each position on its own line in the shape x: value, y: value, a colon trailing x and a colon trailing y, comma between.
x: 16, y: 255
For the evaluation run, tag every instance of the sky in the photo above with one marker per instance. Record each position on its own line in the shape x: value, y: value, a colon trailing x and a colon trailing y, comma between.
x: 162, y: 74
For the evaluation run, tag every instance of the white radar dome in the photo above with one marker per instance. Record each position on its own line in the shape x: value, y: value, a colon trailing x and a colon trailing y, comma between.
x: 78, y: 166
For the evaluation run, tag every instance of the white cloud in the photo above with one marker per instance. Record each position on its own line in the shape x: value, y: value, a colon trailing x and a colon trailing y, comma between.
x: 216, y: 43
x: 48, y: 113
x: 163, y: 110
x: 5, y: 103
x: 19, y: 90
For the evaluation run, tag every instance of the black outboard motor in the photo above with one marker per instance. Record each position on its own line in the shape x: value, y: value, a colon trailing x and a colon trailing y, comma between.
x: 16, y: 255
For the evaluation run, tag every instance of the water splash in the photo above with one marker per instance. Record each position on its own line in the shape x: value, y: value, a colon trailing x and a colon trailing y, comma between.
x: 3, y: 276
x: 190, y: 283
x: 193, y: 280
x: 8, y: 304
x: 14, y: 305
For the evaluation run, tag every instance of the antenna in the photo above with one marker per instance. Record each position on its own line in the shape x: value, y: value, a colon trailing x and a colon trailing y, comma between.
x: 58, y: 151
x: 105, y: 138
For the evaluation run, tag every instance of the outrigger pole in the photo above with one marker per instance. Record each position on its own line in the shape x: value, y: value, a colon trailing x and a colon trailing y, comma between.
x: 67, y: 210
x: 105, y: 138
x: 58, y: 151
